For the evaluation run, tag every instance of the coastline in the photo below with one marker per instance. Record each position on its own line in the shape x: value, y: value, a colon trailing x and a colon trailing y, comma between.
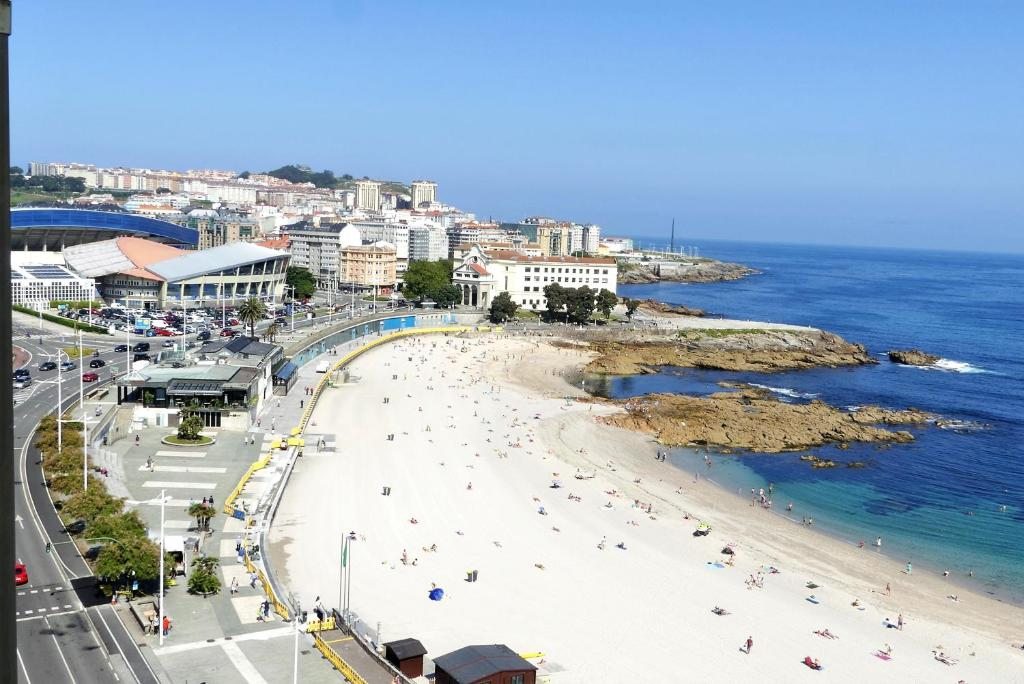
x: 534, y: 382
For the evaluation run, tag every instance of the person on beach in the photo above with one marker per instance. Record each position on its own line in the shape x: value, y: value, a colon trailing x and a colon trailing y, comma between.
x: 910, y: 568
x: 749, y: 644
x: 899, y: 622
x: 888, y: 589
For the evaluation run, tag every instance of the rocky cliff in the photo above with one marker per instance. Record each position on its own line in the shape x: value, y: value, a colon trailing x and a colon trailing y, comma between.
x: 700, y: 271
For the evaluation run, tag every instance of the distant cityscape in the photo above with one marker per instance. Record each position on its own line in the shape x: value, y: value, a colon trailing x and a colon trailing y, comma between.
x: 147, y: 238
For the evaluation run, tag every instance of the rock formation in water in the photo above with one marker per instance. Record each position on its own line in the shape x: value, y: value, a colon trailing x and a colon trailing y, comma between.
x: 696, y: 271
x: 912, y: 357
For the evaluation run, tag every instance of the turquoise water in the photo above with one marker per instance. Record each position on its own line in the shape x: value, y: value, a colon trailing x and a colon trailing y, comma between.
x: 953, y: 499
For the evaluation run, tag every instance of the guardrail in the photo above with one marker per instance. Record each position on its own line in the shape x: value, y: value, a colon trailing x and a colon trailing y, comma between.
x: 336, y: 660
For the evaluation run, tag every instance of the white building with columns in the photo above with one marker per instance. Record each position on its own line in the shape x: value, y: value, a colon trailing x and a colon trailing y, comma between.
x: 484, y: 274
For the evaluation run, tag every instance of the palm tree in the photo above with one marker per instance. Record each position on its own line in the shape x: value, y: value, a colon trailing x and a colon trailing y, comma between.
x: 273, y: 331
x: 251, y: 312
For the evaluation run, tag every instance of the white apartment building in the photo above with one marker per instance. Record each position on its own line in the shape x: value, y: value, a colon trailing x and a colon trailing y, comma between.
x: 427, y: 243
x: 591, y: 238
x: 318, y: 248
x: 368, y: 195
x: 396, y: 234
x: 423, y: 191
x: 484, y: 274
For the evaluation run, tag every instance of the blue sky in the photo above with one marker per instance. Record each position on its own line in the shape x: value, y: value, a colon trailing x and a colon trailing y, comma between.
x: 863, y: 123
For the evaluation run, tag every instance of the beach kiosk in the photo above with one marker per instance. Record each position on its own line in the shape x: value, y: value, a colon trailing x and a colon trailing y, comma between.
x: 494, y: 663
x: 406, y: 655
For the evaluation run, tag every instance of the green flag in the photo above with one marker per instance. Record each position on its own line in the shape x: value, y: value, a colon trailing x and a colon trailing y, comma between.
x: 344, y: 553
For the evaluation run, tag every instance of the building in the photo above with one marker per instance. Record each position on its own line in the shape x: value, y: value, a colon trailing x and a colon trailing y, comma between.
x: 591, y: 238
x: 318, y: 247
x: 427, y: 243
x: 615, y: 245
x: 216, y: 228
x: 368, y: 267
x: 553, y: 237
x: 36, y: 285
x: 225, y: 382
x: 140, y: 274
x: 368, y: 195
x: 486, y: 664
x: 483, y: 274
x: 423, y: 192
x: 52, y: 228
x: 406, y: 655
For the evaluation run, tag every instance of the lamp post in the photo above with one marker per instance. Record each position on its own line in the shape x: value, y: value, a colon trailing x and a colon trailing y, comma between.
x: 160, y: 626
x: 296, y: 614
x: 292, y: 288
x: 85, y: 420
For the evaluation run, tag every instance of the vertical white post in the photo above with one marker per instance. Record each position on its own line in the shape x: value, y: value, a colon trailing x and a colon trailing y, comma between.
x: 128, y: 350
x: 295, y: 665
x: 81, y: 405
x: 160, y: 624
x: 60, y: 402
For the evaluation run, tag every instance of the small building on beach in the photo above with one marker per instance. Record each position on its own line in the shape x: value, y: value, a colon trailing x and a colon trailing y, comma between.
x: 406, y: 655
x: 485, y: 664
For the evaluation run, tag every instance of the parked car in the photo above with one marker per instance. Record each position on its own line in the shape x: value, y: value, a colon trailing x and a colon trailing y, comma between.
x: 233, y: 321
x: 228, y: 332
x: 22, y: 382
x: 97, y: 363
x: 164, y: 332
x: 90, y: 377
x: 77, y: 527
x: 47, y: 366
x: 121, y: 348
x: 168, y: 344
x: 68, y: 365
x: 20, y: 574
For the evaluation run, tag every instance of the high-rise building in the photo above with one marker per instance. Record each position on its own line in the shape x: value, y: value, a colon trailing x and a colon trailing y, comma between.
x: 427, y: 243
x: 368, y: 195
x: 423, y: 191
x: 591, y: 238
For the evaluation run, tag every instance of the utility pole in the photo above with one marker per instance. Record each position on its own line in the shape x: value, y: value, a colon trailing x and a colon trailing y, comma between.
x: 672, y: 244
x: 8, y: 626
x: 85, y: 423
x: 160, y: 626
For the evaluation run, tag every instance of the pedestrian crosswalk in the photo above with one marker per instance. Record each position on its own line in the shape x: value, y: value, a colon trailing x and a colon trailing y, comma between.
x: 183, y: 469
x: 161, y: 484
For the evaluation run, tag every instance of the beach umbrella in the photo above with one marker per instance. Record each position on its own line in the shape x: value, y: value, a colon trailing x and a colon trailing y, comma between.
x: 436, y: 594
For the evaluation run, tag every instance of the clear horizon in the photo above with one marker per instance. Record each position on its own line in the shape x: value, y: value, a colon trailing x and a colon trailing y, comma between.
x: 868, y: 125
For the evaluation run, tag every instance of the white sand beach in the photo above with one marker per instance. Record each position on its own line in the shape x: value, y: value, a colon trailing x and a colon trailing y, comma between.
x: 491, y: 412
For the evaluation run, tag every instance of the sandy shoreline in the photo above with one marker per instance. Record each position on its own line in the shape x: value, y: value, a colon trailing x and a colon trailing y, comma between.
x: 648, y: 601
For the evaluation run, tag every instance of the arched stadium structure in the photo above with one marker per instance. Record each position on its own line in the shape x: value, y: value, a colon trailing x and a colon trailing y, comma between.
x: 52, y: 229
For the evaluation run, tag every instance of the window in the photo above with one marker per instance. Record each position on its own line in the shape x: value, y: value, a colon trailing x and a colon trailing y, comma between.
x: 517, y: 679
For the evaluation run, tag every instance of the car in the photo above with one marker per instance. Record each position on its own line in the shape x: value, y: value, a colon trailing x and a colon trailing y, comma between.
x: 168, y: 343
x: 233, y: 321
x: 68, y: 365
x: 121, y: 348
x: 47, y: 366
x: 140, y: 356
x: 90, y: 377
x: 141, y: 347
x: 164, y: 332
x: 97, y: 363
x: 20, y: 574
x: 203, y: 335
x: 228, y: 332
x: 20, y: 373
x: 77, y: 527
x: 22, y: 382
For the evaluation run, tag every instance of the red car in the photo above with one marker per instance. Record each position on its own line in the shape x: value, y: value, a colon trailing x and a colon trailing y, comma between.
x: 232, y: 321
x: 164, y: 332
x: 228, y: 332
x: 90, y: 377
x: 20, y: 575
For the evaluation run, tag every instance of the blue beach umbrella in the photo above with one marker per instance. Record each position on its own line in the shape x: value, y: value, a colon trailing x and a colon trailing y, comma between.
x: 436, y: 594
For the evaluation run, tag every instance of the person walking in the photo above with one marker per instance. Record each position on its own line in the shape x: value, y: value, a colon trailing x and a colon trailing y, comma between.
x: 899, y: 622
x: 166, y: 625
x: 749, y: 644
x: 234, y: 585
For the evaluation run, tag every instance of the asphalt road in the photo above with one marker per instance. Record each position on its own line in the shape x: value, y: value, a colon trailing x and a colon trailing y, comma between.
x: 65, y: 634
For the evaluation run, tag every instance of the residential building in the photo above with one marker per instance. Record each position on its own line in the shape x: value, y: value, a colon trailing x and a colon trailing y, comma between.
x: 591, y: 238
x: 392, y: 232
x: 368, y: 195
x: 423, y: 192
x: 219, y: 228
x: 317, y: 248
x: 369, y: 267
x: 427, y: 243
x: 483, y: 274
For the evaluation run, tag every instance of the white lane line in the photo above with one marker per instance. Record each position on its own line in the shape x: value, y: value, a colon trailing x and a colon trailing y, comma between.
x: 241, y: 663
x: 36, y: 591
x: 182, y: 469
x: 156, y: 502
x: 183, y: 454
x: 59, y: 651
x: 262, y: 635
x: 177, y: 524
x: 29, y: 612
x: 67, y: 605
x: 24, y: 670
x: 162, y: 484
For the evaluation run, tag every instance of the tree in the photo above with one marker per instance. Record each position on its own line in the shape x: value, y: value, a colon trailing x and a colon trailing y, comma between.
x: 606, y: 301
x: 302, y: 280
x: 580, y: 304
x: 631, y: 307
x: 244, y: 175
x: 17, y: 171
x: 446, y: 295
x: 272, y: 332
x: 91, y: 504
x: 203, y: 513
x: 423, y: 277
x: 251, y: 312
x: 163, y: 191
x: 203, y: 579
x: 557, y: 298
x: 139, y: 559
x: 503, y: 308
x: 190, y: 428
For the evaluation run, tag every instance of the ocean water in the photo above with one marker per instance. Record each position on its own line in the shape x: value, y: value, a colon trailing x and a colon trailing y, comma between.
x: 954, y: 498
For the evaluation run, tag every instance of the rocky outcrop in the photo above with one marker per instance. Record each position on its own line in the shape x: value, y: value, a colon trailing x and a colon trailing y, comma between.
x: 765, y: 351
x: 656, y: 308
x: 693, y: 271
x: 912, y: 357
x: 752, y: 419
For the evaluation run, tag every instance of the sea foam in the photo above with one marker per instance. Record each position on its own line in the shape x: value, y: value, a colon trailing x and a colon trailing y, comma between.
x: 785, y: 391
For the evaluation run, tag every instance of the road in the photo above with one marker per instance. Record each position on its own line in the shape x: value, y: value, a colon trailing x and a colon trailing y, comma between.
x: 64, y: 633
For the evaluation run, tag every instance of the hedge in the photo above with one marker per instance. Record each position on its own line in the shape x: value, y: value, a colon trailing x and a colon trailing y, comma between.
x: 60, y: 320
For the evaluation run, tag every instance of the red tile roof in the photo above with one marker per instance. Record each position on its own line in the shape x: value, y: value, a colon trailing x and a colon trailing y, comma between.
x: 479, y: 269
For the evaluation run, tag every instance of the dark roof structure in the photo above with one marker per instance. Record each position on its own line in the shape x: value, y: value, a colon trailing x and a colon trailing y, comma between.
x: 405, y: 648
x: 473, y: 663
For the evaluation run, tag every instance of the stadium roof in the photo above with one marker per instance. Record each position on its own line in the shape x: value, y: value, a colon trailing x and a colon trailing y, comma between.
x: 128, y: 255
x: 222, y: 258
x: 54, y: 227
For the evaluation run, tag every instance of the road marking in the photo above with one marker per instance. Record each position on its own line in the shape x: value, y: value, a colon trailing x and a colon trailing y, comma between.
x: 34, y: 591
x: 182, y: 469
x: 262, y: 635
x: 177, y: 524
x: 59, y: 651
x: 183, y: 454
x: 18, y: 519
x: 241, y: 663
x: 43, y: 617
x: 24, y: 670
x: 28, y: 612
x: 162, y: 484
x: 156, y: 502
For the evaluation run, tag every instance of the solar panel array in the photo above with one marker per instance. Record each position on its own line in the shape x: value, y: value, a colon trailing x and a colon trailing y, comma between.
x: 48, y: 272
